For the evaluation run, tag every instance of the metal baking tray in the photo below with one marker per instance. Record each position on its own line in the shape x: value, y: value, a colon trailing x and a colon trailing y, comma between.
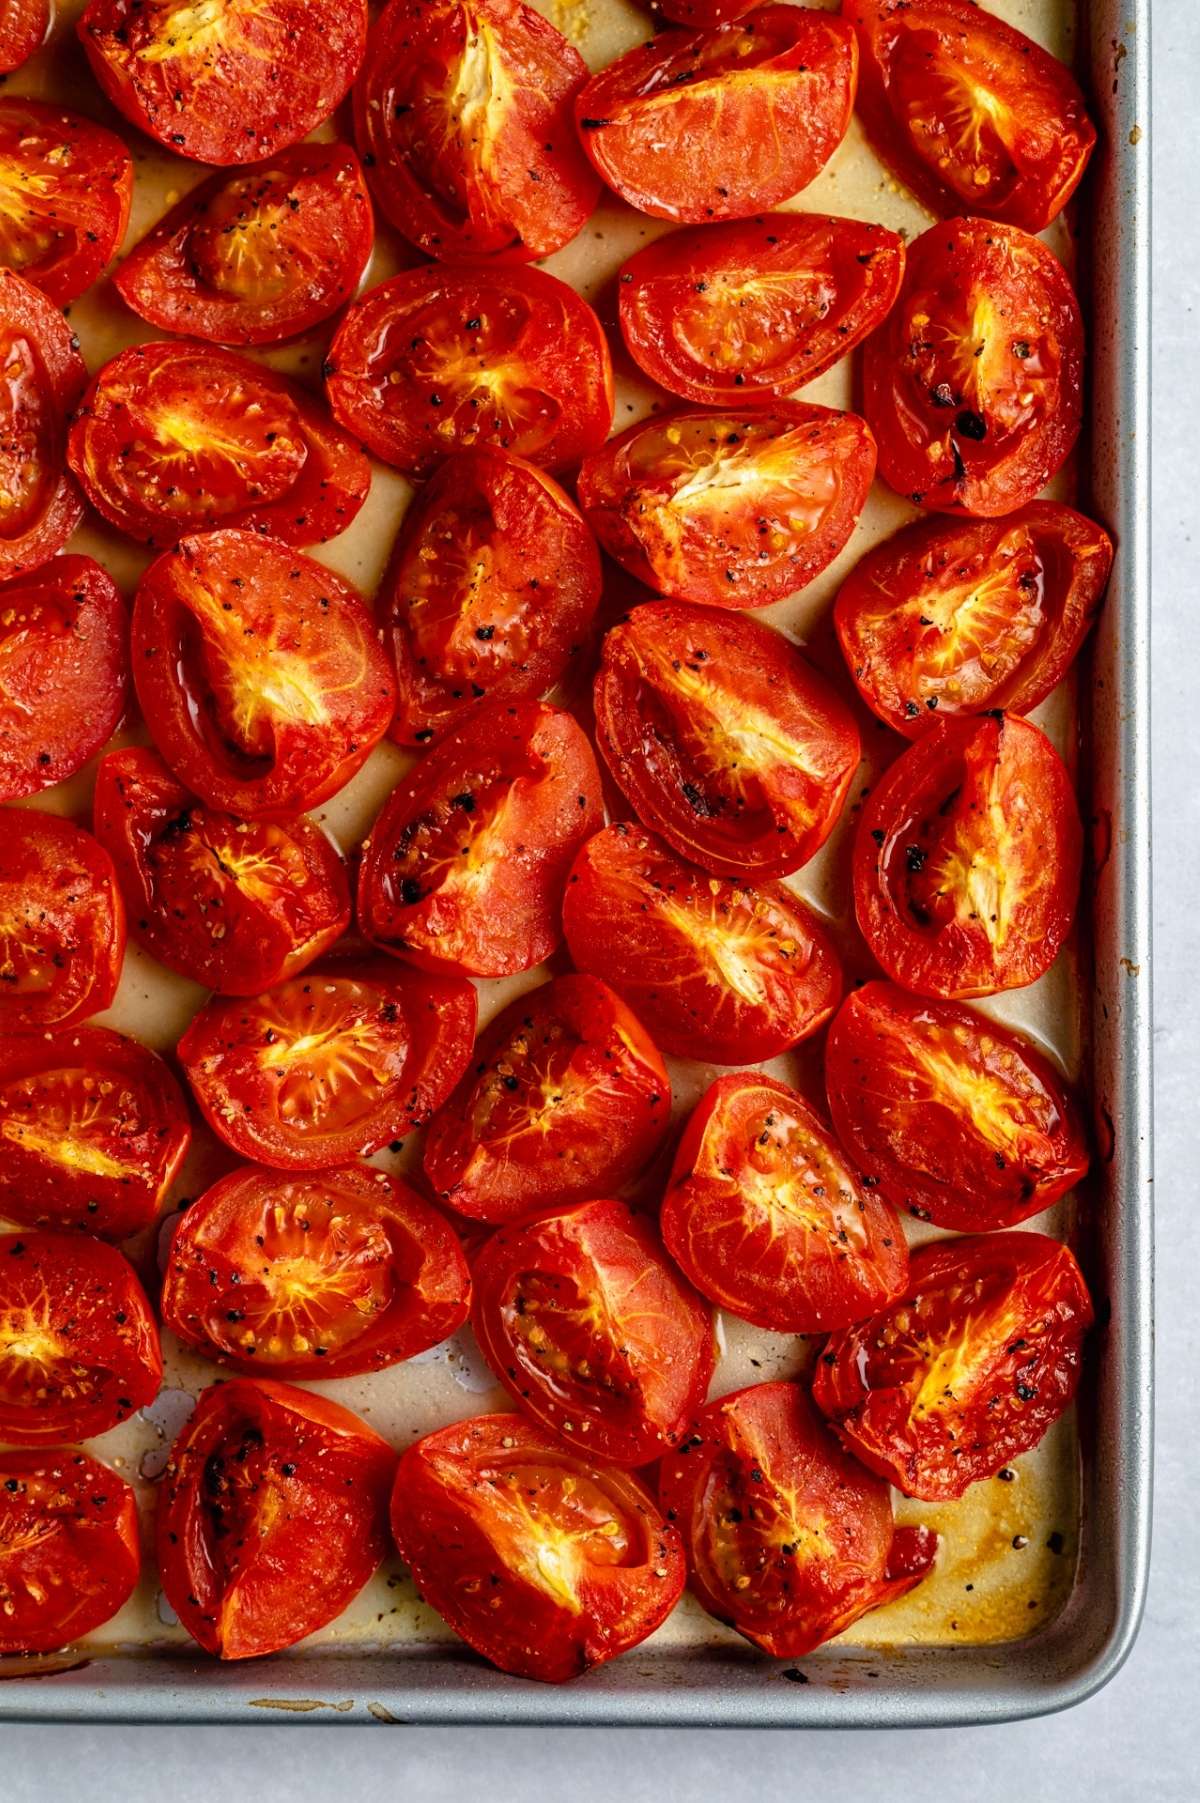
x: 1001, y: 1654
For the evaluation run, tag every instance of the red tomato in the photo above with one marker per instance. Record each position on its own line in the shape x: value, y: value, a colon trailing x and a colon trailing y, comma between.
x: 237, y: 905
x: 23, y: 28
x: 43, y: 378
x: 702, y: 15
x: 967, y: 1369
x: 93, y: 1129
x: 465, y: 867
x: 789, y: 1539
x: 228, y: 82
x: 62, y: 926
x: 716, y: 968
x: 256, y: 255
x: 68, y: 185
x: 970, y: 112
x: 464, y: 112
x: 955, y: 618
x: 741, y: 313
x: 330, y: 1065
x: 723, y: 738
x: 69, y: 1551
x: 272, y: 1516
x: 442, y: 360
x: 543, y: 1562
x: 323, y: 1276
x: 64, y: 667
x: 966, y: 863
x: 260, y: 673
x: 973, y: 386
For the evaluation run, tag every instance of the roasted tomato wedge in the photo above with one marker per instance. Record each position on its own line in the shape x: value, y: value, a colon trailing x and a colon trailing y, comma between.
x: 260, y: 673
x: 970, y: 112
x: 42, y: 377
x: 69, y: 1548
x: 324, y: 1276
x: 774, y: 92
x: 65, y: 190
x: 967, y: 1369
x: 788, y: 1538
x: 723, y: 738
x: 23, y: 28
x: 272, y: 1516
x: 966, y: 863
x: 465, y: 867
x: 332, y: 1064
x: 62, y: 926
x: 258, y: 255
x: 955, y: 618
x: 442, y: 360
x: 545, y: 1562
x: 225, y: 81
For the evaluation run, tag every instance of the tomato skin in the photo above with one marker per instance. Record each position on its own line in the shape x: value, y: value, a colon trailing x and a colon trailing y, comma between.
x: 44, y: 376
x: 69, y: 1549
x: 702, y: 15
x: 992, y: 1327
x: 473, y: 1506
x: 69, y: 184
x: 63, y: 941
x: 23, y: 28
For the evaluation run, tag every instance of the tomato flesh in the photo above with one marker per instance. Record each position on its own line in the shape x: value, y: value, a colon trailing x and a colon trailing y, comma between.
x: 23, y: 28
x: 62, y: 926
x: 65, y: 192
x: 42, y: 377
x: 69, y: 1549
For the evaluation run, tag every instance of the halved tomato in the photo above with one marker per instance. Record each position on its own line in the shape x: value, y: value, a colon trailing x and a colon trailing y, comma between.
x: 23, y: 28
x: 788, y: 1538
x: 466, y: 865
x: 62, y: 926
x: 42, y: 377
x: 972, y: 114
x: 544, y: 1562
x: 490, y: 592
x: 65, y: 191
x: 723, y: 738
x: 720, y: 124
x: 324, y: 1276
x: 967, y: 1369
x: 974, y: 384
x: 260, y: 673
x: 237, y: 905
x: 716, y: 968
x: 702, y: 15
x: 957, y: 618
x: 64, y: 667
x: 69, y: 1548
x: 271, y: 1517
x: 331, y: 1065
x: 441, y: 360
x: 79, y: 1347
x: 258, y: 255
x: 967, y: 859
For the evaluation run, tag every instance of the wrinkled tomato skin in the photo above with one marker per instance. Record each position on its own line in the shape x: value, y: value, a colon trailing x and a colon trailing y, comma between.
x: 43, y: 379
x: 789, y: 1540
x: 68, y: 187
x: 63, y: 939
x: 23, y: 28
x: 69, y: 1548
x: 476, y: 1509
x: 964, y: 1372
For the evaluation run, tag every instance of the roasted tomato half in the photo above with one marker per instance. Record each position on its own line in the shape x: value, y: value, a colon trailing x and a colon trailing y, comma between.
x: 42, y: 377
x: 543, y: 1561
x: 720, y: 124
x: 954, y: 617
x: 225, y: 81
x: 702, y: 15
x: 967, y: 1369
x: 788, y: 1538
x: 970, y: 112
x: 65, y: 191
x: 723, y: 738
x: 23, y: 28
x: 973, y: 385
x: 716, y: 968
x: 967, y: 859
x: 254, y: 256
x: 330, y: 1065
x: 441, y: 360
x: 79, y: 1346
x: 271, y: 1517
x: 325, y: 1276
x: 260, y: 673
x: 465, y: 867
x: 62, y: 926
x: 69, y: 1549
x: 64, y: 666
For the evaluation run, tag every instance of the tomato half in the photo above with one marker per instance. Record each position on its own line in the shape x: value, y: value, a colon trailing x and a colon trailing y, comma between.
x: 65, y: 191
x: 42, y: 377
x: 441, y: 360
x: 258, y: 255
x: 62, y: 926
x: 260, y: 673
x: 544, y: 1562
x: 69, y: 1550
x: 967, y: 859
x: 330, y: 1065
x: 970, y: 112
x: 960, y: 617
x: 23, y: 28
x: 466, y: 865
x: 773, y: 93
x: 702, y: 15
x: 967, y: 1369
x: 64, y: 667
x: 225, y: 81
x: 271, y: 1517
x: 788, y: 1538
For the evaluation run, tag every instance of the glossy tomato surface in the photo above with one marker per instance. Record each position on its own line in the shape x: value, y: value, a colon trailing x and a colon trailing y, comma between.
x: 62, y: 926
x: 23, y: 28
x: 69, y: 1549
x: 67, y: 186
x: 44, y: 379
x: 702, y: 15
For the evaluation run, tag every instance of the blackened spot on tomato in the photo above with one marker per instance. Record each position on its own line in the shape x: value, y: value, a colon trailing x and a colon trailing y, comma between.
x: 972, y: 425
